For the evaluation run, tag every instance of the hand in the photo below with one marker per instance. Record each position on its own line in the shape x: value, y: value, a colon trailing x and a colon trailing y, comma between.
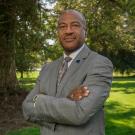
x: 79, y: 93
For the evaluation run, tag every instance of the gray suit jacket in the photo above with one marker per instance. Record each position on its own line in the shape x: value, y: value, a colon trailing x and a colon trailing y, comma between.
x: 58, y: 115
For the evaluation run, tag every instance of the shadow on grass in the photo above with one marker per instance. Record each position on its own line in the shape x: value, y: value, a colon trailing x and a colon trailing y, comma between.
x: 116, y: 111
x: 27, y: 83
x: 119, y: 119
x: 125, y: 91
x: 118, y: 129
x: 120, y: 78
x: 27, y: 80
x: 125, y: 85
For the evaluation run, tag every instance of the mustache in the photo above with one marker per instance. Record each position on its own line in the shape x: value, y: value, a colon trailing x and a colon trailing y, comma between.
x: 69, y: 36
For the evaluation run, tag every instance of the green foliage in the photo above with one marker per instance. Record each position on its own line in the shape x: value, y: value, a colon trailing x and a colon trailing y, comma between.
x: 110, y: 28
x: 29, y: 38
x: 27, y: 25
x: 22, y: 23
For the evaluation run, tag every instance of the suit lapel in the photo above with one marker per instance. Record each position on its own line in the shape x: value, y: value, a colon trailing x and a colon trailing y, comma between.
x: 53, y: 76
x: 75, y: 65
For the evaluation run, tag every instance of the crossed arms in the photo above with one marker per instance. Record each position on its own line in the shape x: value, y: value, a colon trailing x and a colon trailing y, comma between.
x: 77, y: 108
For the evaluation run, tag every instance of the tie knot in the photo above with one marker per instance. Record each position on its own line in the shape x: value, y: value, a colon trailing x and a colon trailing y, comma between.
x: 67, y: 59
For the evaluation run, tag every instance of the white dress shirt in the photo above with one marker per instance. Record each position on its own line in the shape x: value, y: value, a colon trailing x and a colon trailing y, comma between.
x: 73, y: 54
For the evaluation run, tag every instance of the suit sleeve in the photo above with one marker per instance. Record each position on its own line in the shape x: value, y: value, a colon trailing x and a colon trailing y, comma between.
x: 28, y: 105
x: 65, y: 111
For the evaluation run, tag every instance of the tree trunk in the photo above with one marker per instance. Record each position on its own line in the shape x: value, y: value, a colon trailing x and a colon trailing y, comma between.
x: 22, y: 74
x: 8, y: 80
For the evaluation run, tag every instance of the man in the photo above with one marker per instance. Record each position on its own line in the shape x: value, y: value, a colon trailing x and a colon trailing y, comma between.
x: 70, y: 92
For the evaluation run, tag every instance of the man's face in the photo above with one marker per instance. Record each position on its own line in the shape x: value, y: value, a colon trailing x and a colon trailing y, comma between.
x: 71, y: 31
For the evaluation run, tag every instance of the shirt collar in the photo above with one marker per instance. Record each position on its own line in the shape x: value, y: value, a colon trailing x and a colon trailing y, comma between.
x: 75, y: 53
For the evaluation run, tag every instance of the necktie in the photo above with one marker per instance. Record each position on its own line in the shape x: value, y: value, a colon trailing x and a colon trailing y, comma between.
x: 63, y: 69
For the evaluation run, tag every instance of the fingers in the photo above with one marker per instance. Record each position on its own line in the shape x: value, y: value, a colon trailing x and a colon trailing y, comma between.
x: 85, y: 91
x: 75, y: 97
x: 79, y: 93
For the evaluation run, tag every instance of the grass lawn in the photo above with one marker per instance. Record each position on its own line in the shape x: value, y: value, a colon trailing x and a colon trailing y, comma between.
x: 25, y: 131
x: 119, y: 109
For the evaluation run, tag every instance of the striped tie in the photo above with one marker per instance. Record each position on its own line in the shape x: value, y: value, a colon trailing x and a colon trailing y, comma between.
x: 63, y: 69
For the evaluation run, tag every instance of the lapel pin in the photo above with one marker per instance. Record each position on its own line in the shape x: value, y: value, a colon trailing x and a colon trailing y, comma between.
x: 77, y: 61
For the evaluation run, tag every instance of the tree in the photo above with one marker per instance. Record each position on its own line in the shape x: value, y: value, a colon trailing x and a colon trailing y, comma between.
x: 7, y: 50
x: 110, y: 28
x: 19, y: 23
x: 27, y: 25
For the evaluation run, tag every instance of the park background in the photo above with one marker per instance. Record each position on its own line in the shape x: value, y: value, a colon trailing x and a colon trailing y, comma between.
x: 28, y: 39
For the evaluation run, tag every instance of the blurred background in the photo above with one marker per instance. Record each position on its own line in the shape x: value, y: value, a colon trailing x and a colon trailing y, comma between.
x: 28, y: 39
